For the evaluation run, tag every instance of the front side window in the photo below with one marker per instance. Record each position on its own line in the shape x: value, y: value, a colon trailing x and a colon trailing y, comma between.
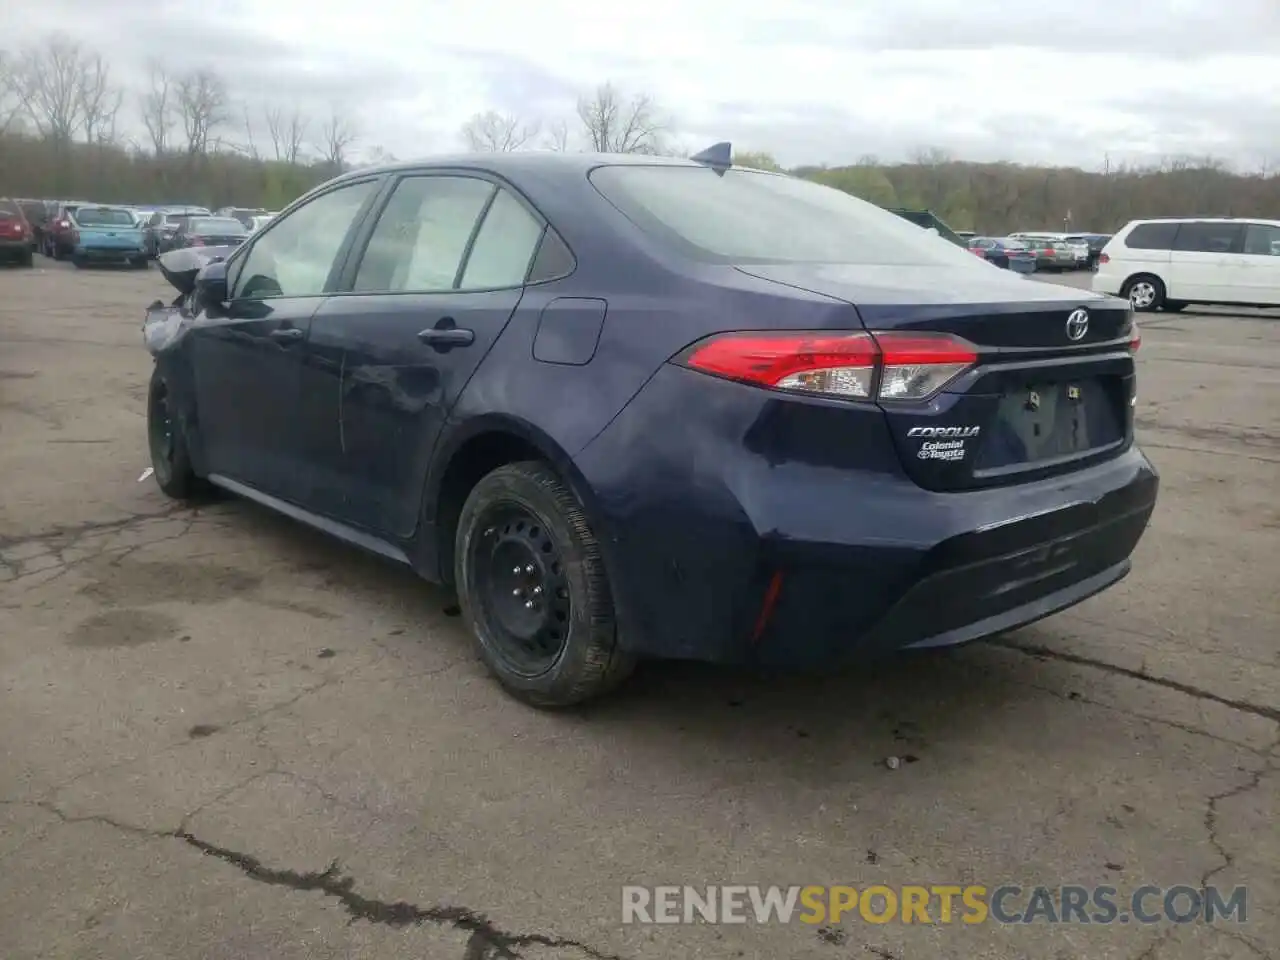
x: 296, y: 255
x: 1152, y: 236
x: 743, y: 216
x: 1201, y: 237
x: 1262, y: 240
x: 422, y: 235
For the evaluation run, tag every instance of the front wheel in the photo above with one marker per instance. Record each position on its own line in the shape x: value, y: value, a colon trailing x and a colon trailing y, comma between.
x: 168, y: 443
x: 534, y: 590
x: 1144, y: 293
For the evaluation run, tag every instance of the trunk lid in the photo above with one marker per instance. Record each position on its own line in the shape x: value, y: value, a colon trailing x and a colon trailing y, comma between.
x: 1050, y: 391
x: 111, y: 237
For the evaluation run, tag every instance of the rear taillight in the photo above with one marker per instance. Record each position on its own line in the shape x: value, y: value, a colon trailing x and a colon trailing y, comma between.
x: 1135, y: 336
x: 1103, y: 258
x: 74, y: 237
x: 855, y: 366
x: 197, y: 241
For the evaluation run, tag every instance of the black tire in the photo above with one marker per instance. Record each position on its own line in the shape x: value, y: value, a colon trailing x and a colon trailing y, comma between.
x: 167, y: 442
x: 570, y: 651
x: 1175, y: 306
x: 27, y: 259
x: 1144, y: 292
x: 78, y: 262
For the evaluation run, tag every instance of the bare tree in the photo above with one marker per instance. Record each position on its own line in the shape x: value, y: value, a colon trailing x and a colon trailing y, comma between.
x: 100, y: 100
x: 201, y: 102
x: 157, y: 108
x: 251, y: 143
x: 493, y: 132
x: 557, y: 137
x: 336, y: 137
x: 10, y: 99
x: 48, y: 81
x: 614, y: 123
x: 288, y: 132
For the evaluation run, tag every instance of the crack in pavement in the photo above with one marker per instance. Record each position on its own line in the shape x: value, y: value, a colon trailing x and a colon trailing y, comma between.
x: 487, y: 940
x: 1253, y: 782
x: 79, y: 530
x: 1036, y: 650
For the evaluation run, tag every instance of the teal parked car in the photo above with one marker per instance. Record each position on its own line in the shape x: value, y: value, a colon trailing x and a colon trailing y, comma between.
x: 107, y: 235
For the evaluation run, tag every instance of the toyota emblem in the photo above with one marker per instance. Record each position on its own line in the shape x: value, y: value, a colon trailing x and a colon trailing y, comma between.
x: 1077, y: 324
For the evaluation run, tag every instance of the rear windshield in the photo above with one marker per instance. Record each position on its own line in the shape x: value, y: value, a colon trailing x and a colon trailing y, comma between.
x: 752, y: 217
x: 9, y: 209
x: 104, y: 217
x: 216, y: 225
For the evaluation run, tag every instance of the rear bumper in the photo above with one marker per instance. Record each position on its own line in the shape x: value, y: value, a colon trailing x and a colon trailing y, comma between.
x: 719, y: 554
x: 14, y: 249
x: 108, y: 254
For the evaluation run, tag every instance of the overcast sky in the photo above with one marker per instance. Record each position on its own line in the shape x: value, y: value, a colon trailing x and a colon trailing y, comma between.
x: 811, y: 81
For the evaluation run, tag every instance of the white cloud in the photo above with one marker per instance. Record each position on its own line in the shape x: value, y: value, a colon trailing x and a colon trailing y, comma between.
x: 812, y: 80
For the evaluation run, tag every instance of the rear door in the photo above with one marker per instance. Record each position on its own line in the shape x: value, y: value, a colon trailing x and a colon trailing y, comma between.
x: 432, y: 285
x: 1260, y: 264
x: 1206, y: 264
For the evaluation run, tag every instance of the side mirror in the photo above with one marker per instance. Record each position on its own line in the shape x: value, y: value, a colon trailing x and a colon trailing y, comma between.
x: 210, y: 292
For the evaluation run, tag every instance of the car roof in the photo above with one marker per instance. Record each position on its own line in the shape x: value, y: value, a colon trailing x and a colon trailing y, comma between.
x: 1265, y: 220
x: 522, y: 162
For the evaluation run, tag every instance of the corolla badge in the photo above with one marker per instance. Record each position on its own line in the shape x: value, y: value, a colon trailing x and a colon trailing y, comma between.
x: 948, y: 432
x: 1077, y: 324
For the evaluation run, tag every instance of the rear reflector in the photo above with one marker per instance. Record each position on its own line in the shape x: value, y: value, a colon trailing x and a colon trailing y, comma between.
x: 1135, y: 335
x: 856, y: 366
x: 1103, y: 258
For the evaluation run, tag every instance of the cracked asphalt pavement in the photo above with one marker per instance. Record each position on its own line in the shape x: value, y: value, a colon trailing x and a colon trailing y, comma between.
x: 224, y: 736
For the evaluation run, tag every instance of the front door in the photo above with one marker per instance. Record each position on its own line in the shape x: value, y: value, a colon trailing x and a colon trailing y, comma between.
x: 1260, y: 265
x: 426, y: 298
x: 248, y: 357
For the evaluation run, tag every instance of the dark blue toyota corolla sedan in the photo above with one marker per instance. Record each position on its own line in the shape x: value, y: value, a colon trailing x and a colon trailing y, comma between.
x: 635, y: 407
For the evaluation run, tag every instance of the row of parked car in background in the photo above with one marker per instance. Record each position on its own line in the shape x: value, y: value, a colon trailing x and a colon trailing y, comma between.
x: 86, y: 232
x: 1029, y: 252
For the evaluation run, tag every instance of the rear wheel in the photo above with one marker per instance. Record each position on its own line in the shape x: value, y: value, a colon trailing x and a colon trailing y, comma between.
x: 27, y: 259
x: 168, y: 444
x: 533, y: 588
x: 1145, y: 293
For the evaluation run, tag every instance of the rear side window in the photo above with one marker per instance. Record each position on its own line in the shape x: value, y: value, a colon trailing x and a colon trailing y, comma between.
x: 1200, y: 237
x: 422, y: 235
x: 554, y: 259
x: 504, y: 246
x: 1262, y: 240
x: 743, y: 216
x: 1152, y: 236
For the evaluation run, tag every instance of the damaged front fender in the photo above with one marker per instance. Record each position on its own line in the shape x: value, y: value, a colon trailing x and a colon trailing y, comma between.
x: 164, y: 325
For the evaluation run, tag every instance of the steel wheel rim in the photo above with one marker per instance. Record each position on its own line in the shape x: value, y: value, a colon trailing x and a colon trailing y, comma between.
x: 520, y: 588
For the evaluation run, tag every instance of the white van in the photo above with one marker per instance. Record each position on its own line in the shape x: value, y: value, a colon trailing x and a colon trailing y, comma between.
x: 1167, y: 264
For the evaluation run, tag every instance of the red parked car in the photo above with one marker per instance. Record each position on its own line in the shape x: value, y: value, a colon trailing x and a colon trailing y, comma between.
x: 15, y: 234
x: 59, y: 238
